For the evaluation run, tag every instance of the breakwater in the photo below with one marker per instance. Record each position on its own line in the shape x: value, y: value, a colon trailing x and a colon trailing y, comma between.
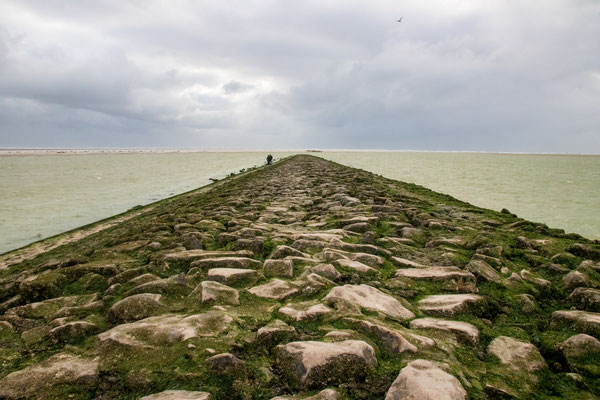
x: 306, y: 279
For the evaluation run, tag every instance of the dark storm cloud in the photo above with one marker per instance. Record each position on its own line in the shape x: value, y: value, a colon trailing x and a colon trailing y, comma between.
x: 455, y: 75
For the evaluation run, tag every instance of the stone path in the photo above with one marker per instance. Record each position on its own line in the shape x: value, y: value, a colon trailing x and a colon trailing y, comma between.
x: 303, y: 280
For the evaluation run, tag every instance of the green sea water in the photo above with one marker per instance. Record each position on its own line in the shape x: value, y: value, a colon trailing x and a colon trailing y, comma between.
x: 43, y: 195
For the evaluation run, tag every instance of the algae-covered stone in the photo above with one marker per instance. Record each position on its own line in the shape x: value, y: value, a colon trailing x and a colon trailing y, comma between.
x: 390, y: 339
x: 177, y: 395
x: 452, y: 304
x: 581, y: 321
x: 164, y: 329
x: 225, y: 363
x: 519, y: 361
x: 425, y: 380
x: 586, y: 298
x: 449, y: 278
x: 516, y: 354
x: 275, y: 332
x: 580, y: 345
x: 135, y: 307
x: 232, y: 276
x: 318, y: 364
x: 483, y: 270
x: 369, y: 298
x: 73, y: 331
x: 279, y: 268
x: 305, y: 310
x: 327, y: 271
x: 56, y: 370
x: 276, y: 289
x: 215, y: 292
x: 227, y: 262
x: 464, y: 331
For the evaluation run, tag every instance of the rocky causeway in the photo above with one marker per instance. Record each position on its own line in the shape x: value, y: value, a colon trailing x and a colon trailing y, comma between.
x: 306, y: 279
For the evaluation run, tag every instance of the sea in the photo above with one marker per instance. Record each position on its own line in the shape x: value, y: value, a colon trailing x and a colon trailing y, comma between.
x: 44, y: 193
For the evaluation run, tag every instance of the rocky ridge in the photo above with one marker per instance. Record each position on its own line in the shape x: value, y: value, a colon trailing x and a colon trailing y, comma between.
x: 306, y: 280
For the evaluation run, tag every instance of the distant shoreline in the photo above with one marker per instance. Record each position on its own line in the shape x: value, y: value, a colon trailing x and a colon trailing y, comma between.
x: 11, y: 152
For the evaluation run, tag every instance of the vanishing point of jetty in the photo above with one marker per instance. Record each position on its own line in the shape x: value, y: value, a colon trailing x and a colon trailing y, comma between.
x: 305, y: 280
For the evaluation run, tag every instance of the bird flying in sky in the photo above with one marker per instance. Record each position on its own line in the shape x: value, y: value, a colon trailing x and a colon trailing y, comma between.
x: 399, y: 20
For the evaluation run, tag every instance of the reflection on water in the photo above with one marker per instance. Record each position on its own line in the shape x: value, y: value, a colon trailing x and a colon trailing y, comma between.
x: 44, y: 195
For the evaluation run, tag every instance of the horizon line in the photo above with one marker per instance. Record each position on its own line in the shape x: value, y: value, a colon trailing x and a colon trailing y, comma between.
x: 18, y: 150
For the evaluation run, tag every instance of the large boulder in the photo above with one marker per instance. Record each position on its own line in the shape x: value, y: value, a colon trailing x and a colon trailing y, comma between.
x: 135, y: 307
x: 369, y: 298
x: 426, y: 380
x: 157, y: 331
x: 318, y: 364
x: 33, y: 381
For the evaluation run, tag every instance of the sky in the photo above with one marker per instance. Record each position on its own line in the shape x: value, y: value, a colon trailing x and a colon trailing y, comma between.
x: 493, y: 75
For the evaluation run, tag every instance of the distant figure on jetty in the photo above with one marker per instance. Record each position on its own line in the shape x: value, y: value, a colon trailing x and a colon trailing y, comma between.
x: 269, y: 159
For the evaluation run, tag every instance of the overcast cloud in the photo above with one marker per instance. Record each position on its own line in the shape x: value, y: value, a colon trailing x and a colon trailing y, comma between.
x: 494, y: 75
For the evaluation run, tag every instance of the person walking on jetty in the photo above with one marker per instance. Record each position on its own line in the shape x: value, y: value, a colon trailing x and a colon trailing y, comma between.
x: 269, y: 159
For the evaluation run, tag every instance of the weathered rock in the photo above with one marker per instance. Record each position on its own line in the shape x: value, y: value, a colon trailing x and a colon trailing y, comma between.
x: 390, y: 339
x: 276, y: 289
x: 191, y: 255
x: 327, y: 271
x: 586, y: 298
x: 369, y: 298
x: 164, y: 329
x: 575, y: 279
x: 50, y: 309
x: 304, y: 310
x: 404, y: 263
x: 516, y: 354
x: 225, y: 363
x: 71, y: 332
x: 177, y: 395
x: 425, y: 380
x: 215, y: 292
x: 144, y: 278
x: 581, y: 321
x: 227, y: 262
x: 452, y: 304
x: 279, y: 268
x: 285, y: 251
x: 464, y: 331
x: 135, y: 307
x: 317, y: 364
x: 31, y: 382
x: 46, y: 285
x: 232, y: 276
x: 580, y: 345
x: 528, y: 276
x: 275, y: 332
x: 174, y: 285
x: 450, y: 278
x: 356, y: 266
x: 483, y: 270
x: 519, y: 362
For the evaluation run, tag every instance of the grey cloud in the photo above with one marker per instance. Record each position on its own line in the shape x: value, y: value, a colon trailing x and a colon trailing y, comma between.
x: 455, y: 75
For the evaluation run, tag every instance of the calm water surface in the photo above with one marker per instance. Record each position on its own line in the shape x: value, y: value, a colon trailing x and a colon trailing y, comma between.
x: 44, y: 195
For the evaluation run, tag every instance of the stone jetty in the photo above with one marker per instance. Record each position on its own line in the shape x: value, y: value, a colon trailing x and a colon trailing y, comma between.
x: 306, y: 279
